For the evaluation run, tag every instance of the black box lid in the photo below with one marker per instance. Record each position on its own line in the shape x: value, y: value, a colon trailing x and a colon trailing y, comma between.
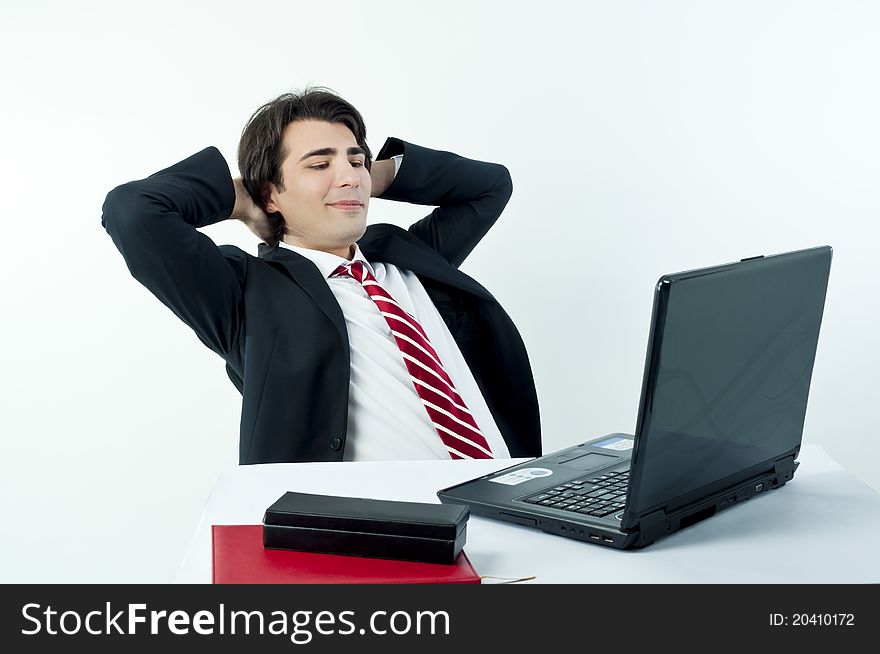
x: 367, y: 515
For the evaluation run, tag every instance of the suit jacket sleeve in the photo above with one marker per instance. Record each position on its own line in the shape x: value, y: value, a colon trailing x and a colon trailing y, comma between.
x: 153, y: 223
x: 469, y: 196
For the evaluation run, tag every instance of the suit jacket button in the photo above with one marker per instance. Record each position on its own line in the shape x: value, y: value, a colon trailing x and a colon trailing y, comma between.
x: 336, y: 443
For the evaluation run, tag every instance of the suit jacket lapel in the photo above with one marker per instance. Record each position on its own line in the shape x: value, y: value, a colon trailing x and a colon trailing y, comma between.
x: 307, y: 276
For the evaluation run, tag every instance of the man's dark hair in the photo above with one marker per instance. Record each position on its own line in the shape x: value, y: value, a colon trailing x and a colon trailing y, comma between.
x: 261, y: 148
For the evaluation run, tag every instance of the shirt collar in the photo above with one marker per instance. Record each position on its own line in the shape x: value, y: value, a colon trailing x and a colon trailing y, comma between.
x: 326, y: 262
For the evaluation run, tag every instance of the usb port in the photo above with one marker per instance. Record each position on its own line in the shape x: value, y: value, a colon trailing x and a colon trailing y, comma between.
x: 607, y: 539
x: 594, y: 536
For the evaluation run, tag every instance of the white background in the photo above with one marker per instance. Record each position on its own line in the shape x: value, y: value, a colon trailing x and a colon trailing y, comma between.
x: 643, y: 138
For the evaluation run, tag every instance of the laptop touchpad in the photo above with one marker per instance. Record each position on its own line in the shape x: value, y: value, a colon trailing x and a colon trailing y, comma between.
x: 584, y: 461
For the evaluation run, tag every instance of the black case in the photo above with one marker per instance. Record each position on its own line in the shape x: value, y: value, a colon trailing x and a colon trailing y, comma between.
x: 410, y: 531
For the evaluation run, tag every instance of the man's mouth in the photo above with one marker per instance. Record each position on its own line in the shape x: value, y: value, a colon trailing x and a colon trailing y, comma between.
x: 347, y: 205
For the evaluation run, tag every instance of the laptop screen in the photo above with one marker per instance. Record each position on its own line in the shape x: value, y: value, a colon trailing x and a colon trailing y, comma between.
x: 726, y: 389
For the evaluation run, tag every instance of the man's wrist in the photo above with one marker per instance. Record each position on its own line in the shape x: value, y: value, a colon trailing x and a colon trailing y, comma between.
x: 381, y: 176
x: 243, y: 204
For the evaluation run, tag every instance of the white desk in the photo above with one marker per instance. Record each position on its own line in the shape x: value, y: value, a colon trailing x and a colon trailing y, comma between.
x: 823, y: 527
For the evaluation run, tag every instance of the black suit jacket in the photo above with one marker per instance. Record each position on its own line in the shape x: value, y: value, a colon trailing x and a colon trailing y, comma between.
x: 274, y: 319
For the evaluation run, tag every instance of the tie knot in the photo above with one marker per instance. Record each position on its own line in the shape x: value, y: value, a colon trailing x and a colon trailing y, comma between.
x: 358, y: 270
x: 355, y: 269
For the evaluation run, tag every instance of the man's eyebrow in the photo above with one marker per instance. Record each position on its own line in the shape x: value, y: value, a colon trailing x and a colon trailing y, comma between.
x: 329, y: 152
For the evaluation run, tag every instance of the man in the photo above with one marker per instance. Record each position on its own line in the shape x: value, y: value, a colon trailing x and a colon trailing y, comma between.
x: 347, y: 342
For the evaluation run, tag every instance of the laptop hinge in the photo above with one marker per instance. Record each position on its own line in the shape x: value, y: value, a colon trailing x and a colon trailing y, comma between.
x: 652, y: 527
x: 784, y: 470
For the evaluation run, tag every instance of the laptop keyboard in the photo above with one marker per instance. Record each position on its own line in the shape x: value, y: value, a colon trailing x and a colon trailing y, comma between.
x: 590, y: 495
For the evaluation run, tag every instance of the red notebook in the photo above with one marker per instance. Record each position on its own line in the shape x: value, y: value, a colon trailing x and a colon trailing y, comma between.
x: 240, y: 558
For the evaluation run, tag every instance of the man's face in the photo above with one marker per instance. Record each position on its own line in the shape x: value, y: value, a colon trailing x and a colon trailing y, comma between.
x: 326, y: 187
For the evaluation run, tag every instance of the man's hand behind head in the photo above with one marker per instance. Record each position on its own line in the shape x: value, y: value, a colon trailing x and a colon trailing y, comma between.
x: 249, y: 213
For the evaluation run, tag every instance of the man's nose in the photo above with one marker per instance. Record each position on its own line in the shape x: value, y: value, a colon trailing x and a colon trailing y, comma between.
x: 347, y: 176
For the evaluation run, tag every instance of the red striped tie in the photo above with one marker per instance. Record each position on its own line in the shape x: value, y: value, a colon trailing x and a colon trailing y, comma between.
x: 454, y: 423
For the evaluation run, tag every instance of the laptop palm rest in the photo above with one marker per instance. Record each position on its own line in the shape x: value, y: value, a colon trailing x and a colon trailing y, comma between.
x: 582, y: 460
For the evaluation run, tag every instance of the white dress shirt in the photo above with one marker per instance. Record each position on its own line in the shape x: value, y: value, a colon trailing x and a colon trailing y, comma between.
x: 386, y: 418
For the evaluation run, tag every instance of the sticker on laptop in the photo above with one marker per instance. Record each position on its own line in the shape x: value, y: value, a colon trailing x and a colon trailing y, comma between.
x: 615, y: 443
x: 522, y: 475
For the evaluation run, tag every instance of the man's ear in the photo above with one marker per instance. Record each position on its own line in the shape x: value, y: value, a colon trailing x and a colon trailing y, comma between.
x: 270, y: 193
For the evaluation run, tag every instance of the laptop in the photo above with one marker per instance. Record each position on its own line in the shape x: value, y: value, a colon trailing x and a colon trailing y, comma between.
x: 721, y: 415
